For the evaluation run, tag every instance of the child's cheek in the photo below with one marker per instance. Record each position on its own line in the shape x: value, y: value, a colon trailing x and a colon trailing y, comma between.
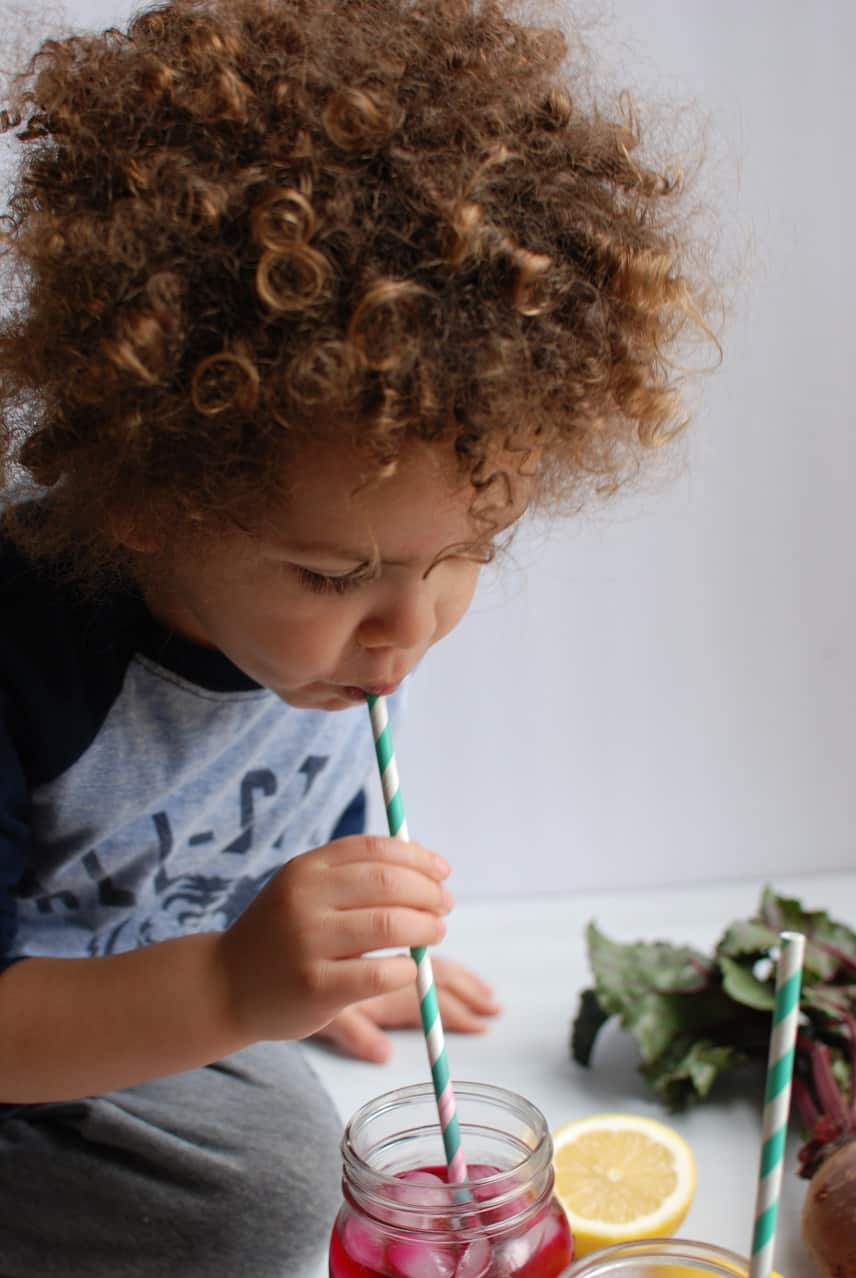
x: 453, y: 604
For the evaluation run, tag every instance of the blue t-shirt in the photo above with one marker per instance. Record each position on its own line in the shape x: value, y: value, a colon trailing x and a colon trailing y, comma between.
x: 148, y: 788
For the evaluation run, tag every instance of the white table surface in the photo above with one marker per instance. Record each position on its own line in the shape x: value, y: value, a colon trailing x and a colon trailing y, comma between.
x: 533, y: 952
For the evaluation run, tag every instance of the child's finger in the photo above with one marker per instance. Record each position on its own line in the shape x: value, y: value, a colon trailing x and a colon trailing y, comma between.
x: 466, y: 986
x: 357, y: 1035
x: 400, y: 1010
x: 458, y: 1016
x: 355, y: 980
x: 361, y: 931
x: 379, y: 883
x: 382, y: 848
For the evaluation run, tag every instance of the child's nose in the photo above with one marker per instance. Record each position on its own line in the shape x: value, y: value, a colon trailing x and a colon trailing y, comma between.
x: 405, y: 620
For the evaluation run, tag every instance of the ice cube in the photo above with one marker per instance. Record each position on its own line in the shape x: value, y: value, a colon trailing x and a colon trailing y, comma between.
x: 554, y: 1248
x: 480, y: 1171
x: 500, y: 1202
x: 425, y: 1197
x: 553, y: 1227
x: 432, y: 1191
x: 514, y: 1254
x: 475, y: 1260
x: 364, y: 1243
x: 422, y: 1259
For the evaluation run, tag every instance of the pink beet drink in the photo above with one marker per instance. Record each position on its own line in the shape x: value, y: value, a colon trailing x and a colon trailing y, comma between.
x: 400, y: 1217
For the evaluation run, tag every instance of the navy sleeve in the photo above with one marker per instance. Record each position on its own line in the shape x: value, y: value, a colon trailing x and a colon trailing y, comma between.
x: 60, y: 667
x: 58, y: 679
x: 14, y: 836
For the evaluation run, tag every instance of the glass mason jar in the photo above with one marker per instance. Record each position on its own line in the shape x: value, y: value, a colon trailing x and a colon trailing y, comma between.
x: 660, y: 1258
x: 399, y: 1217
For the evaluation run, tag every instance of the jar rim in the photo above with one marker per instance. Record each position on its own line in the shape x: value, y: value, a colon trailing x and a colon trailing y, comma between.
x: 401, y: 1097
x: 601, y: 1264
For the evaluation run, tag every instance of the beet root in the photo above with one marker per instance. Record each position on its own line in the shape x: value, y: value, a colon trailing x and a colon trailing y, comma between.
x: 829, y: 1214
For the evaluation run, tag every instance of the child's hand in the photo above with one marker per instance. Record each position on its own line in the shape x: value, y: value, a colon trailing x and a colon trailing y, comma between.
x: 464, y: 999
x: 294, y: 958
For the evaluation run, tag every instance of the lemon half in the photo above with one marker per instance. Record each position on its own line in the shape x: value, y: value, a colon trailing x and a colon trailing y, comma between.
x: 620, y: 1177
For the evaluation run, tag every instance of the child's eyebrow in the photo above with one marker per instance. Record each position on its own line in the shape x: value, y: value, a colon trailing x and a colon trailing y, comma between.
x: 336, y: 552
x: 359, y: 557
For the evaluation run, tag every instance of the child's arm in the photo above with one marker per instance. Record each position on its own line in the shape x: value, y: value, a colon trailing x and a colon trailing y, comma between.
x: 286, y: 967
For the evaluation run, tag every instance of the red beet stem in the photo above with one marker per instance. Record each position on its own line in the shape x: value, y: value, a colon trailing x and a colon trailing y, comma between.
x: 826, y: 1089
x: 838, y: 954
x: 804, y: 1101
x: 850, y: 1021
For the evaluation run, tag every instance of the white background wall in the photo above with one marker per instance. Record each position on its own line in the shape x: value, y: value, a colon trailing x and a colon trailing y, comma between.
x: 667, y: 691
x: 664, y: 690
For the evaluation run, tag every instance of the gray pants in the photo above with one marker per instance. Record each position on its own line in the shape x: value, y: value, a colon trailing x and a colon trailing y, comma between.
x: 231, y: 1171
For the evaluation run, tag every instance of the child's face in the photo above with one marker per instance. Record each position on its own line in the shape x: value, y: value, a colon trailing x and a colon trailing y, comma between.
x: 343, y: 591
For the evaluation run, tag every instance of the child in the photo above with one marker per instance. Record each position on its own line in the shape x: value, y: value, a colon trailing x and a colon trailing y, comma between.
x: 313, y: 298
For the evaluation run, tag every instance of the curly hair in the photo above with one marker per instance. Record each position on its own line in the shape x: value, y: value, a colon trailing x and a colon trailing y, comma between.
x: 241, y: 224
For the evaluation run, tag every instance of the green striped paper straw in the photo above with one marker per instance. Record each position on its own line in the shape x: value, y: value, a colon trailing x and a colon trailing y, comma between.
x: 777, y: 1101
x: 430, y: 1013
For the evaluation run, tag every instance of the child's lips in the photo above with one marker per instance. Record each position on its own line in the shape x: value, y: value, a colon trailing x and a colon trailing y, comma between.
x: 382, y: 689
x: 355, y: 693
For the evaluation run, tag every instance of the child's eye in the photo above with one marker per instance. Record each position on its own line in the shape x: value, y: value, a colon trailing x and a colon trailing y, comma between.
x: 323, y: 585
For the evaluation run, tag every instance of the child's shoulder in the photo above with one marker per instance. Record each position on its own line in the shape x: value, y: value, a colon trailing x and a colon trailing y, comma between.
x: 64, y: 656
x: 40, y: 603
x: 61, y: 650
